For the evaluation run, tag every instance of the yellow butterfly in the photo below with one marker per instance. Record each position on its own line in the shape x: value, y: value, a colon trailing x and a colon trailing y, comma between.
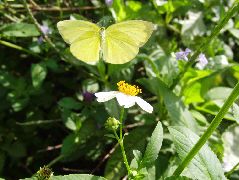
x: 119, y: 43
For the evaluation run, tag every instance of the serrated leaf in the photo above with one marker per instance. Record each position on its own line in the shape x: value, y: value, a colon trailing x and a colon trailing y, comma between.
x: 38, y: 73
x: 231, y: 147
x: 177, y: 178
x: 137, y: 155
x: 235, y: 112
x: 153, y: 147
x: 205, y: 165
x: 78, y: 177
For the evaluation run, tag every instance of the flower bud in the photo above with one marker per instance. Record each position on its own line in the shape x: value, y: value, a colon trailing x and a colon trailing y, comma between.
x: 112, y: 124
x: 44, y: 173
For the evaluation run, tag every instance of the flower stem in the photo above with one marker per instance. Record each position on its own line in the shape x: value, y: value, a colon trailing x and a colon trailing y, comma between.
x: 121, y: 122
x: 234, y: 9
x: 121, y: 142
x: 214, y: 124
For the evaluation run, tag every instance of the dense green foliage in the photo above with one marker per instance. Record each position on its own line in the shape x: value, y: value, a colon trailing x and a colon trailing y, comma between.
x: 49, y: 116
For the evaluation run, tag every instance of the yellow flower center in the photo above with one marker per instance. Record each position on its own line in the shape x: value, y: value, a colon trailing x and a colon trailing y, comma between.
x: 128, y: 89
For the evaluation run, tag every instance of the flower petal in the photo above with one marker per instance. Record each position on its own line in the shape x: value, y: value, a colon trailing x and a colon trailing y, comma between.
x: 144, y: 105
x: 105, y: 96
x: 125, y: 100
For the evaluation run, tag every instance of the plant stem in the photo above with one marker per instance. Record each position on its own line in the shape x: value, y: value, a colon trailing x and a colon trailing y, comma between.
x: 58, y: 158
x: 228, y: 174
x: 214, y: 124
x: 121, y: 122
x: 121, y: 141
x: 234, y: 9
x: 14, y: 46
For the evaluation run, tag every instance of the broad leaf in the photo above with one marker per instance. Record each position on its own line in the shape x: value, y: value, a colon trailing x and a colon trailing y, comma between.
x: 153, y: 147
x: 72, y: 177
x: 231, y: 147
x: 38, y: 72
x: 205, y: 164
x: 70, y: 103
x: 19, y: 30
x: 78, y: 177
x: 177, y: 178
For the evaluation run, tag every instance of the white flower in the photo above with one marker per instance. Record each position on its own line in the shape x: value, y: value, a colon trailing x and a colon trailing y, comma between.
x: 126, y: 96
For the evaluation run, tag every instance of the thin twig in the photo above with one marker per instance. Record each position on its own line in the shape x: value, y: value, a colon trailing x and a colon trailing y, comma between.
x: 50, y: 148
x: 54, y: 8
x: 35, y: 7
x: 39, y: 27
x: 75, y: 170
x: 54, y: 161
x: 105, y: 158
x: 130, y: 126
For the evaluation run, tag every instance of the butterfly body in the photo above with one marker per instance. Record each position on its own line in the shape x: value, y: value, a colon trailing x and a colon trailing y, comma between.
x: 119, y: 43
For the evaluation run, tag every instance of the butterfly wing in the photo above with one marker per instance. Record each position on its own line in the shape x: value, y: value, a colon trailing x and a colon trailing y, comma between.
x: 84, y: 38
x: 122, y: 40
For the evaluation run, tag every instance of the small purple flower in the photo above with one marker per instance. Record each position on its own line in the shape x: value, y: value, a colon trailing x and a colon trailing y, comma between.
x: 46, y: 30
x: 182, y: 55
x: 109, y: 2
x: 88, y: 97
x: 202, y: 61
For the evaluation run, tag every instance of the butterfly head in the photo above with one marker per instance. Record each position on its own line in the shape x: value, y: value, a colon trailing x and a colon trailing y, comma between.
x: 102, y: 33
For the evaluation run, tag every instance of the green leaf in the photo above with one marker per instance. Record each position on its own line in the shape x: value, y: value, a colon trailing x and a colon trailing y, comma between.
x: 177, y: 178
x: 71, y: 120
x: 69, y: 144
x: 77, y: 177
x: 196, y: 85
x: 19, y: 30
x: 218, y: 93
x: 235, y: 112
x: 231, y: 146
x: 137, y: 155
x: 110, y: 136
x: 178, y: 113
x: 38, y: 72
x: 153, y: 147
x: 193, y: 26
x: 234, y: 32
x: 135, y: 140
x: 72, y: 177
x: 112, y: 107
x: 74, y: 140
x: 205, y: 164
x: 118, y: 10
x: 70, y: 103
